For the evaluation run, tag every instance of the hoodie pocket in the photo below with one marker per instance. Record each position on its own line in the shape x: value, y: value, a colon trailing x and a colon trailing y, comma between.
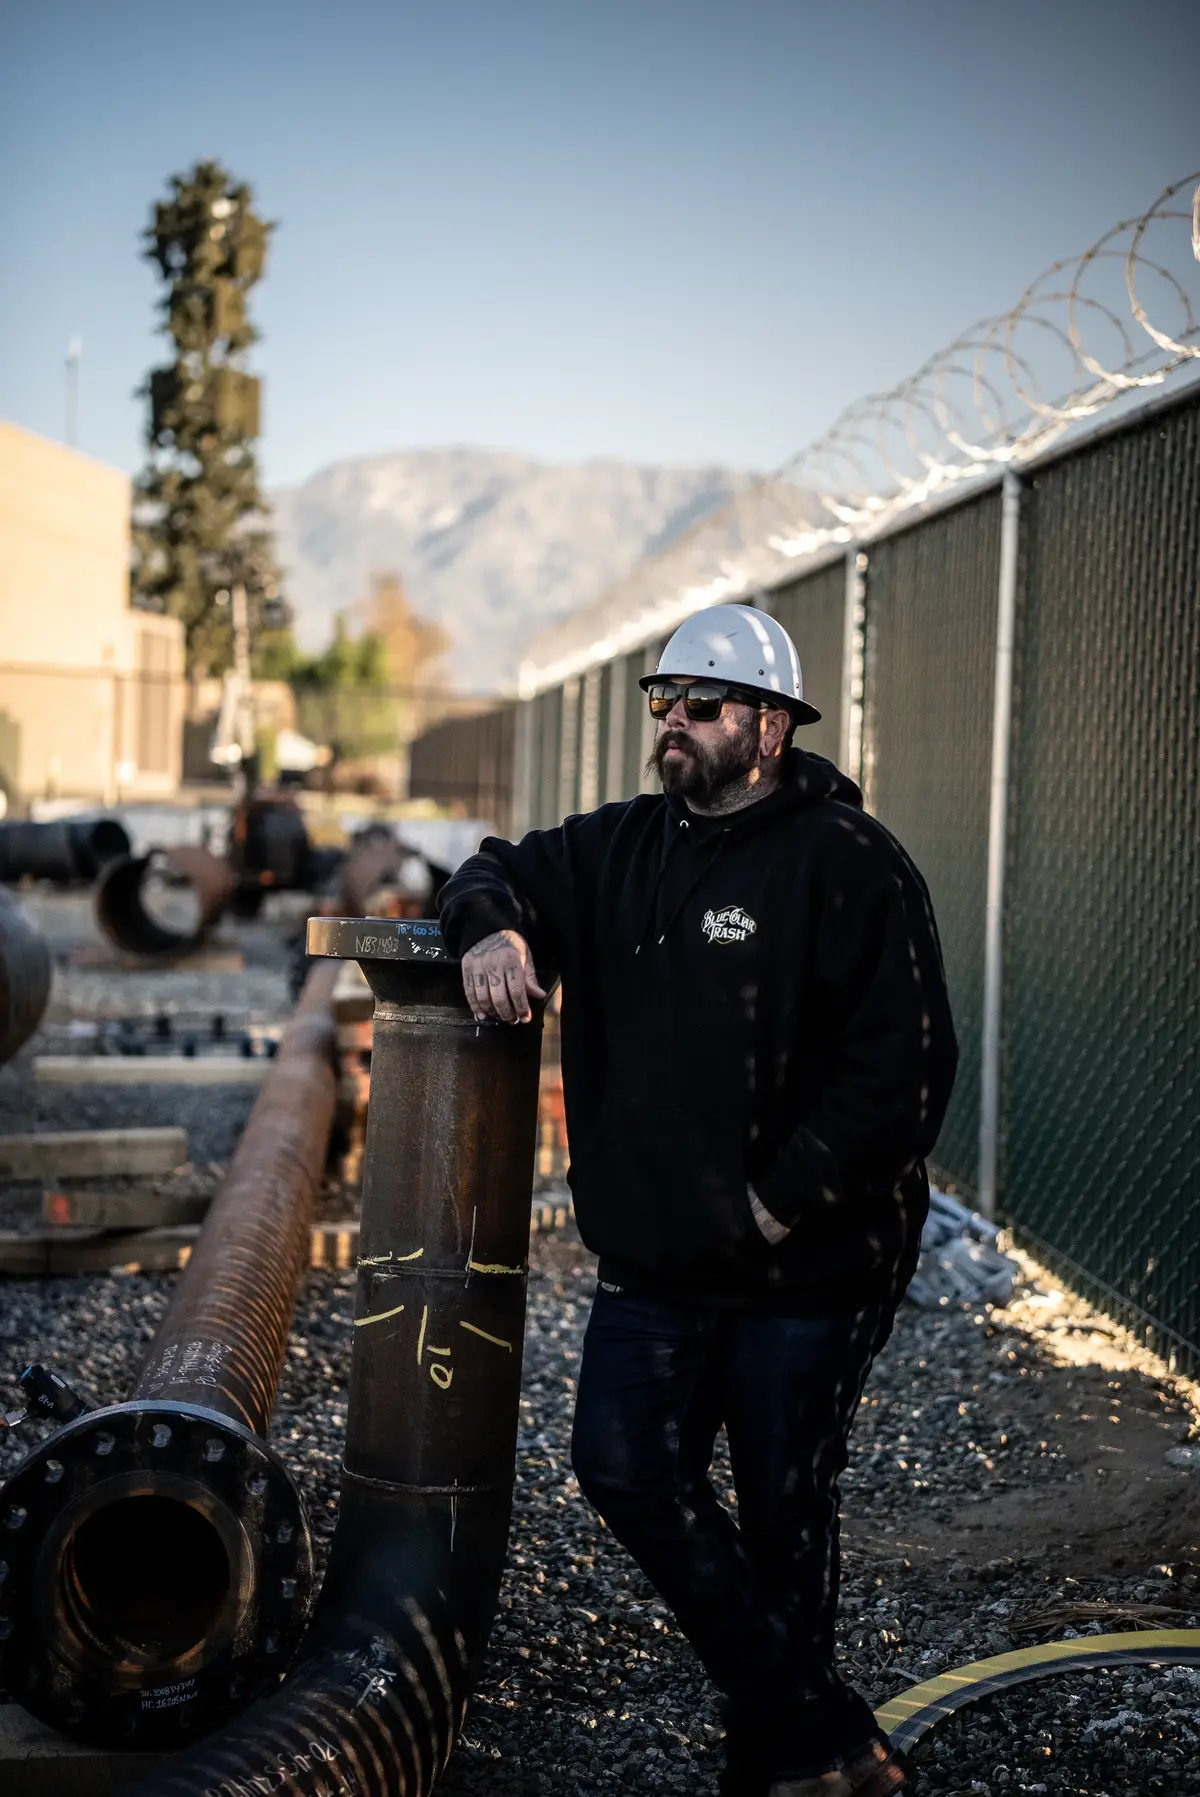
x: 664, y: 1191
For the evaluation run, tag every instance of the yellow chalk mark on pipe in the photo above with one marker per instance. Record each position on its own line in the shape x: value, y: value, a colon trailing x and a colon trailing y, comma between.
x: 491, y: 1266
x: 385, y: 1260
x: 434, y: 1350
x: 421, y: 1336
x: 381, y: 1316
x: 496, y: 1340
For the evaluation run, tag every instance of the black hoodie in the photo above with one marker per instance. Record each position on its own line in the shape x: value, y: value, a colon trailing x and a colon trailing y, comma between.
x: 756, y: 999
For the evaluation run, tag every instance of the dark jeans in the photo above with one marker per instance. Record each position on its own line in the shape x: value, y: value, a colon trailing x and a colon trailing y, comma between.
x: 756, y: 1598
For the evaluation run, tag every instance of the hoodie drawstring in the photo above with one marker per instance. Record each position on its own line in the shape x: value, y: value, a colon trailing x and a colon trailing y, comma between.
x: 705, y: 867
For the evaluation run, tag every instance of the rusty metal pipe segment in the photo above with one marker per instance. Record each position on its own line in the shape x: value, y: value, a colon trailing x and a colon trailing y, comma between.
x: 121, y: 900
x: 158, y: 1559
x: 376, y: 1698
x: 24, y: 977
x: 65, y: 851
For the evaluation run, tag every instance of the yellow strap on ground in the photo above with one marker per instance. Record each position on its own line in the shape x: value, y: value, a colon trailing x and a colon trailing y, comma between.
x: 910, y: 1715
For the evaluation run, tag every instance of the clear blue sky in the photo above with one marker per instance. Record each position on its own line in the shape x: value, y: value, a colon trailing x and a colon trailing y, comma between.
x: 670, y: 230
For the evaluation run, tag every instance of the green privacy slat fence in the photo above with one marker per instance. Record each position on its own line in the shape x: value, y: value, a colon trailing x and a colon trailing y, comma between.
x: 812, y: 611
x: 927, y: 744
x: 1102, y: 953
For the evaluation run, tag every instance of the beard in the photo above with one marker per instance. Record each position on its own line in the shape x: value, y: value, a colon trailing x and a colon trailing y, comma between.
x: 705, y: 770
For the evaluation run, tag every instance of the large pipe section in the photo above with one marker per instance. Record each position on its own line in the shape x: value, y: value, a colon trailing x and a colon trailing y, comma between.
x: 24, y: 977
x: 126, y: 918
x: 158, y: 1560
x: 66, y: 851
x: 127, y: 921
x: 376, y: 1698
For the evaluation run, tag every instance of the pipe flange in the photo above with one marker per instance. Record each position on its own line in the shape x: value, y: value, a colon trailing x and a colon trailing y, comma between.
x: 155, y: 1574
x: 377, y: 939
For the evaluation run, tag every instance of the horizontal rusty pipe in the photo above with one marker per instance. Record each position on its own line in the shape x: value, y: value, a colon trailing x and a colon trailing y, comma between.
x: 159, y: 1563
x: 376, y: 1698
x: 24, y: 977
x: 66, y: 851
x: 121, y: 908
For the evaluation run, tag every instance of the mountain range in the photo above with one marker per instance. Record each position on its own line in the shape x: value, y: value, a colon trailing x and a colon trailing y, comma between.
x: 493, y: 545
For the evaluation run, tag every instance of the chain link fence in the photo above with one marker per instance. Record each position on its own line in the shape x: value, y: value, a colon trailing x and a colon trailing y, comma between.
x: 813, y: 612
x: 930, y: 657
x: 1101, y: 1143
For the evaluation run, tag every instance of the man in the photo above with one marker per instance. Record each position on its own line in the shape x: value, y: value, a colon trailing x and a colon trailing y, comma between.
x: 757, y: 1054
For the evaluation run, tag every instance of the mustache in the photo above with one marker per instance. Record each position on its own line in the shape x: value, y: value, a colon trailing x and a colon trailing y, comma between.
x: 671, y: 739
x: 674, y: 739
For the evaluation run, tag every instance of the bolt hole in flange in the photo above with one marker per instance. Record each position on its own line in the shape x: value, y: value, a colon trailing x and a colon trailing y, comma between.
x: 145, y: 1579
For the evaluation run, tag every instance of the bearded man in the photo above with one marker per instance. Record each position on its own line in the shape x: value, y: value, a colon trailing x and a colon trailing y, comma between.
x: 757, y: 1054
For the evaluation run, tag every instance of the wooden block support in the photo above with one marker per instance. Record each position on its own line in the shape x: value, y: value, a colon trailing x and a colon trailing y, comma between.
x: 69, y: 1250
x: 121, y: 1210
x: 151, y: 1070
x: 92, y: 1153
x: 208, y: 958
x: 335, y: 1244
x: 46, y: 1253
x: 35, y: 1762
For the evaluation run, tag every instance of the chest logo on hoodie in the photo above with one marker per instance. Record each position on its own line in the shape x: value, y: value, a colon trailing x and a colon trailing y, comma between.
x: 731, y: 924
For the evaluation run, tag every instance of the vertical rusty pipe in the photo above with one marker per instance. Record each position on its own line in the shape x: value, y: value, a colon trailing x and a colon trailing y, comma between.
x: 24, y: 977
x: 157, y: 1560
x: 376, y: 1698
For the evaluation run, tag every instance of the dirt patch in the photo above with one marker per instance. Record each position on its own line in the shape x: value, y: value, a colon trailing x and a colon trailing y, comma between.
x: 1094, y: 1492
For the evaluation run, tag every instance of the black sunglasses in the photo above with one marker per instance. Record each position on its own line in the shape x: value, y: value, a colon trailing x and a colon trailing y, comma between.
x: 702, y: 699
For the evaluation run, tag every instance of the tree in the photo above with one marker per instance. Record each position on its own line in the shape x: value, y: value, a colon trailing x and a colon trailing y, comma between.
x: 414, y: 648
x: 378, y: 681
x: 200, y: 524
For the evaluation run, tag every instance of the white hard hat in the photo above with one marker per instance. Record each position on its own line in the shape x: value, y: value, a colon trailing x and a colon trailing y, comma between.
x: 742, y: 645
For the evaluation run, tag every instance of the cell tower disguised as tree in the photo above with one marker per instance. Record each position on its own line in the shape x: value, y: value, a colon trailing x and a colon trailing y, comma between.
x: 200, y: 529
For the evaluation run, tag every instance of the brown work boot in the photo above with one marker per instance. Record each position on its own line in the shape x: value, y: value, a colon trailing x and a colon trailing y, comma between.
x: 873, y: 1772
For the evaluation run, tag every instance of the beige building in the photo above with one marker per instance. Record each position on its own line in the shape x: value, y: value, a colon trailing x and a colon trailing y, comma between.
x: 91, y: 691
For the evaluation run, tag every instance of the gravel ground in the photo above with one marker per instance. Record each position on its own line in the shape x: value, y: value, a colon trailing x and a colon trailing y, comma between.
x: 976, y: 1521
x: 1008, y: 1485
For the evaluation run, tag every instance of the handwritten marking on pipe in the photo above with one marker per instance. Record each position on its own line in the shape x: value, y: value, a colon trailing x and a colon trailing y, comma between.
x: 441, y: 1375
x: 384, y: 1260
x: 377, y: 1684
x: 380, y: 1316
x: 492, y: 1266
x: 497, y: 1340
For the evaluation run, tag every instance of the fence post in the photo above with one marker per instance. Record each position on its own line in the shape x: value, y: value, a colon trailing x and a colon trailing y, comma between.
x: 614, y: 777
x: 647, y: 782
x: 993, y: 963
x: 850, y: 729
x: 568, y: 763
x: 524, y: 786
x: 589, y: 741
